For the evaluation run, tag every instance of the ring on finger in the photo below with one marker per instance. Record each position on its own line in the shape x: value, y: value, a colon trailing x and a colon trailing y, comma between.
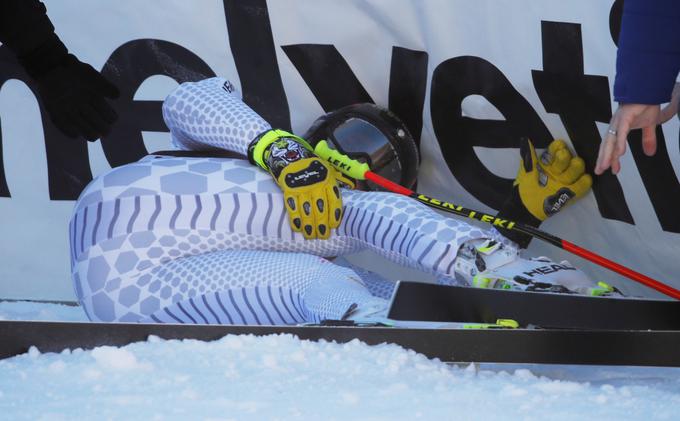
x: 611, y: 132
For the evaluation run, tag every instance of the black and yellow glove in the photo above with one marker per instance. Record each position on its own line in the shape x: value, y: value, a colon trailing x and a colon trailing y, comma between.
x: 546, y: 186
x: 543, y: 187
x: 309, y: 184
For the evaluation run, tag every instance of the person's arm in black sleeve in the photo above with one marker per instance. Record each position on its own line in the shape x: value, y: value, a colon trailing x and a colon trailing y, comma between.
x: 73, y: 93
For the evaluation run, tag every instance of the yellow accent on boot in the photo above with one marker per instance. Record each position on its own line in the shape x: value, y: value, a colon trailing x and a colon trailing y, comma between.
x: 509, y: 323
x: 603, y: 289
x: 488, y: 247
x: 481, y: 282
x: 500, y: 324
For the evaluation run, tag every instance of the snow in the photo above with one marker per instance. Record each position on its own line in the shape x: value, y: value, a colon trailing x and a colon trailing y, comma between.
x: 282, y: 377
x: 25, y: 310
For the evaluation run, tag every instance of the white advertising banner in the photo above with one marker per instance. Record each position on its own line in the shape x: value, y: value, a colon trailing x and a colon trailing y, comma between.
x: 469, y: 78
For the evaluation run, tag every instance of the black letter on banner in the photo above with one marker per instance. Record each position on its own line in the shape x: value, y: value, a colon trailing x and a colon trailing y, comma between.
x: 252, y: 44
x: 408, y: 80
x: 615, y: 15
x: 68, y: 166
x: 130, y: 65
x: 452, y: 81
x: 659, y: 179
x: 335, y: 85
x: 580, y: 100
x: 327, y: 74
x: 4, y: 190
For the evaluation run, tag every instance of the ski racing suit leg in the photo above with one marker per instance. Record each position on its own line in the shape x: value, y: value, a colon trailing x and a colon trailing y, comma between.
x: 143, y: 235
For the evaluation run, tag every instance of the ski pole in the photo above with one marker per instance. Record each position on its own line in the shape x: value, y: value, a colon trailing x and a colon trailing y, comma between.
x: 361, y: 171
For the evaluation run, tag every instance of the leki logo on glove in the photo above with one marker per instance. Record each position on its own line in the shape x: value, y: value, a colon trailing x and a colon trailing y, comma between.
x: 305, y: 175
x: 554, y: 203
x: 315, y: 173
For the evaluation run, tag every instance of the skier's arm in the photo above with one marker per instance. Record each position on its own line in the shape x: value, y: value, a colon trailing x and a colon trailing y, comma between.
x: 209, y: 115
x: 72, y: 92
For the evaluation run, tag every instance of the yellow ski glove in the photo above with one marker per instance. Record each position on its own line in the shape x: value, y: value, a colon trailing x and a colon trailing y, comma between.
x: 546, y: 186
x: 309, y: 185
x: 543, y: 187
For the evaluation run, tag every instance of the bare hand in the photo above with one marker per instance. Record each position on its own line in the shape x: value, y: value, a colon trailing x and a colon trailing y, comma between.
x: 626, y: 118
x: 634, y: 116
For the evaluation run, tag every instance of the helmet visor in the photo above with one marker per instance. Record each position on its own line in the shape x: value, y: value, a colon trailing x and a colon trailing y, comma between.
x: 364, y: 142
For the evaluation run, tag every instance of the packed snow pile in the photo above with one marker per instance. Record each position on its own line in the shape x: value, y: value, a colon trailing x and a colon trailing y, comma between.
x: 282, y: 377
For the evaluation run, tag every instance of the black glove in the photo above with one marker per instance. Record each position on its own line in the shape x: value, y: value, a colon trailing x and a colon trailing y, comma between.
x: 72, y: 92
x: 74, y: 95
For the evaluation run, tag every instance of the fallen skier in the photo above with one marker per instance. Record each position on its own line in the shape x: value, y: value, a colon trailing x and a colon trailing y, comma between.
x: 219, y: 240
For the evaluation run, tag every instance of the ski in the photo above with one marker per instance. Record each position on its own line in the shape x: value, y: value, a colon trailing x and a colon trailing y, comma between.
x: 548, y: 346
x: 554, y: 328
x: 421, y: 301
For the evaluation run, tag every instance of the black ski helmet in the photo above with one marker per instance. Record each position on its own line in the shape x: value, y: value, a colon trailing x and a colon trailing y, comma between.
x: 371, y: 134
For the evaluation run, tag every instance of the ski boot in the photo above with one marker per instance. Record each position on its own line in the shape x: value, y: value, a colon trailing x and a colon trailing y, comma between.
x: 487, y: 263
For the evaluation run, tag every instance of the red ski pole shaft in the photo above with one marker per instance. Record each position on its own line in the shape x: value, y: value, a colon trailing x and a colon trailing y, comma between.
x: 563, y: 244
x: 361, y: 171
x: 622, y: 270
